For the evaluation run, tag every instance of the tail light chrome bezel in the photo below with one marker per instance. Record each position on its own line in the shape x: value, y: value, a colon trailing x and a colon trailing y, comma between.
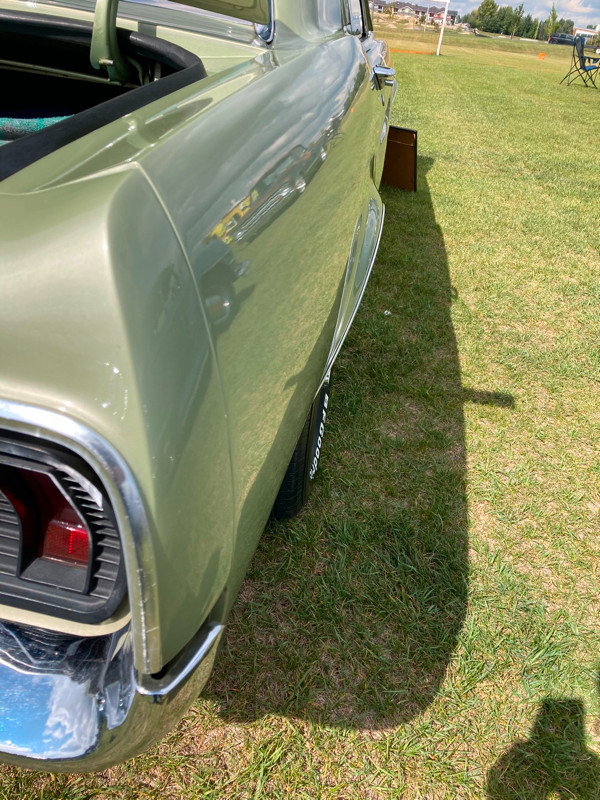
x: 43, y: 426
x: 28, y: 579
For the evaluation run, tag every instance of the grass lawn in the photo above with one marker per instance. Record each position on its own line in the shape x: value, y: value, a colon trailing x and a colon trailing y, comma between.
x: 429, y: 627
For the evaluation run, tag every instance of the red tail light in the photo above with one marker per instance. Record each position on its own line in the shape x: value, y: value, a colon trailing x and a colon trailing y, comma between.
x: 67, y: 544
x: 60, y: 549
x: 52, y: 528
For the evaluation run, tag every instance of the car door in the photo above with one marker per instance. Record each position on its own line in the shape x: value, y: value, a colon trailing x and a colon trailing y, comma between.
x: 382, y: 77
x: 375, y: 115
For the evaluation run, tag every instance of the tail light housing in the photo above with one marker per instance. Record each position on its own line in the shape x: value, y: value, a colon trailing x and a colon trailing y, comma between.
x: 60, y: 551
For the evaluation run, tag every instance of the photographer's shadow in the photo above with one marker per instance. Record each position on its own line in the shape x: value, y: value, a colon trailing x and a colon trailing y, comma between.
x: 553, y: 762
x: 350, y: 616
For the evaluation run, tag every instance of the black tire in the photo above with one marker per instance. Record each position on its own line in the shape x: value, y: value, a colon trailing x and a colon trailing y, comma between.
x: 297, y: 484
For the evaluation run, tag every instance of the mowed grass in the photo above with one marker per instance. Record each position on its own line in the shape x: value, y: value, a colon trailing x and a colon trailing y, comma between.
x: 429, y: 627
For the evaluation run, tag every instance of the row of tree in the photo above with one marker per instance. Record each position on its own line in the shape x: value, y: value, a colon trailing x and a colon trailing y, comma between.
x: 514, y: 22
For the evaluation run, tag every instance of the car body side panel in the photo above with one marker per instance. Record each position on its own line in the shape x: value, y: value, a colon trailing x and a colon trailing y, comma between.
x: 125, y: 352
x: 127, y: 139
x: 284, y: 205
x: 182, y: 405
x: 366, y: 234
x: 261, y: 178
x: 173, y: 287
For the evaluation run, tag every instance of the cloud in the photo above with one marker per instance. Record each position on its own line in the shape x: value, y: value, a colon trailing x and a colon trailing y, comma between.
x: 582, y: 13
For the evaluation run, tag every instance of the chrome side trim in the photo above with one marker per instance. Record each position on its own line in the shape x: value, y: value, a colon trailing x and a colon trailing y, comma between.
x: 129, y: 510
x: 383, y: 76
x: 334, y: 353
x: 266, y: 33
x: 183, y: 665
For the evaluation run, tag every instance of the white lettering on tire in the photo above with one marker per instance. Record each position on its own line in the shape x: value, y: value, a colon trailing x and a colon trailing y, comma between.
x: 317, y: 454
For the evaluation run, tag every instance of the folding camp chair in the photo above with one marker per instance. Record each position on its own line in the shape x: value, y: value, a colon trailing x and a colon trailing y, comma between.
x: 582, y: 66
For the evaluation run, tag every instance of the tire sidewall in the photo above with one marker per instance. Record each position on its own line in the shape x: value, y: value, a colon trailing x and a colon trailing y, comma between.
x: 317, y: 431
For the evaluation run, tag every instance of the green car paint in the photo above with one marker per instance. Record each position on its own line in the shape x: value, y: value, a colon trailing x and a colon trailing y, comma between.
x: 253, y: 10
x: 177, y: 282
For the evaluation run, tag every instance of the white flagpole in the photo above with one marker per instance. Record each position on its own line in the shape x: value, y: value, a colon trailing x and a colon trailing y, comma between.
x: 443, y: 26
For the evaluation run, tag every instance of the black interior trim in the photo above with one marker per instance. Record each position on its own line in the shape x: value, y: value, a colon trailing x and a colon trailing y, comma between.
x: 189, y: 69
x: 80, y: 31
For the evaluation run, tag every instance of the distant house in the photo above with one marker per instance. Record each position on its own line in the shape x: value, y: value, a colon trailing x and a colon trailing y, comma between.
x: 434, y: 14
x: 589, y: 33
x: 381, y: 5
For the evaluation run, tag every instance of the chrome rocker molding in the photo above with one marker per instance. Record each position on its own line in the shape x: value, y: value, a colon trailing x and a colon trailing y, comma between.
x: 338, y: 346
x: 132, y: 521
x: 76, y: 704
x: 183, y: 665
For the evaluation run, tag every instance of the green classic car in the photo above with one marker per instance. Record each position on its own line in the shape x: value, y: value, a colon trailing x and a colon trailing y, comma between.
x: 189, y: 213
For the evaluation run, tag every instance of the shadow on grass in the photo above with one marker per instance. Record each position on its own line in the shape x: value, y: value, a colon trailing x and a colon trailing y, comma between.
x: 350, y: 614
x: 553, y: 762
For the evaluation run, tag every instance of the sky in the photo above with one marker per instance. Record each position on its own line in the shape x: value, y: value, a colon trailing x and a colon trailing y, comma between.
x: 582, y: 12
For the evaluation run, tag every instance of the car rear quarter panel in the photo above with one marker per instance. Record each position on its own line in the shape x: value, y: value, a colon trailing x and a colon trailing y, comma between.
x: 101, y: 323
x: 281, y: 173
x: 252, y: 193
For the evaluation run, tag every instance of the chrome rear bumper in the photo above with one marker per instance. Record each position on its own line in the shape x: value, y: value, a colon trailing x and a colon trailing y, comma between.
x: 70, y: 704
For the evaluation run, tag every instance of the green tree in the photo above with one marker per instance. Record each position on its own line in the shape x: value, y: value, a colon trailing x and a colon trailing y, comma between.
x: 487, y: 16
x: 565, y: 25
x: 552, y: 21
x: 516, y: 23
x: 527, y: 27
x: 505, y: 20
x: 508, y: 20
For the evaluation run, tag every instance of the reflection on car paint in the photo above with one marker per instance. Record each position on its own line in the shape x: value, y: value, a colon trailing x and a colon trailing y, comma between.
x: 59, y: 690
x: 287, y: 179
